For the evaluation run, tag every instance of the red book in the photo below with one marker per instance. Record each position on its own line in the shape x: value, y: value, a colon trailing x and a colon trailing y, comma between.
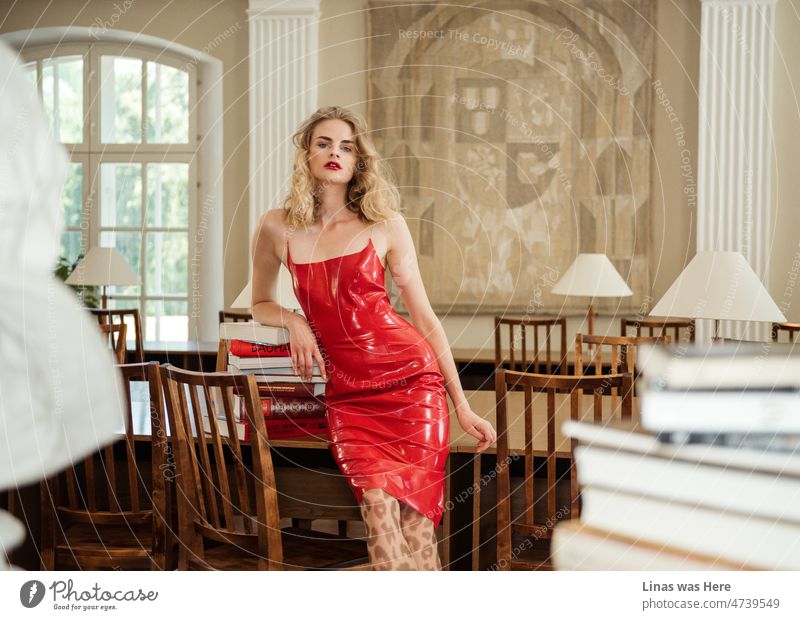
x: 283, y: 428
x: 243, y: 348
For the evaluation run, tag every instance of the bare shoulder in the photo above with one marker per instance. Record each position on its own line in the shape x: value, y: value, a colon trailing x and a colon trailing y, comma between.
x: 395, y: 230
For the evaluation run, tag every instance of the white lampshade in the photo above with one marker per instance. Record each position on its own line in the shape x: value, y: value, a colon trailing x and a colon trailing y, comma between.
x: 102, y: 267
x: 719, y: 285
x: 592, y: 275
x: 244, y: 298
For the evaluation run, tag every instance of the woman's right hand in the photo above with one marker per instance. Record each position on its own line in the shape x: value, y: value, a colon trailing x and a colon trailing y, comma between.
x: 304, y: 348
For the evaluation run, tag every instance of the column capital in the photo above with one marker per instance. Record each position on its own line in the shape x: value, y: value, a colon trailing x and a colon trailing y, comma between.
x: 281, y: 8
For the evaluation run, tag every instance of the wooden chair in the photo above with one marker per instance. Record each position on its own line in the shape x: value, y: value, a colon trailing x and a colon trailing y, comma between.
x: 534, y: 362
x: 682, y: 329
x: 115, y: 336
x: 790, y: 329
x: 10, y: 502
x: 622, y: 352
x: 535, y: 520
x: 228, y: 512
x: 129, y: 316
x: 226, y: 316
x: 100, y: 513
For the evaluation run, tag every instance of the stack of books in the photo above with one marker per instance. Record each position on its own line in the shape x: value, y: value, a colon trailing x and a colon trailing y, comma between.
x: 292, y: 407
x: 290, y: 410
x: 710, y: 479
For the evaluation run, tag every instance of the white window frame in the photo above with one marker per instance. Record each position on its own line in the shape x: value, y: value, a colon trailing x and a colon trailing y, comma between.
x: 92, y: 152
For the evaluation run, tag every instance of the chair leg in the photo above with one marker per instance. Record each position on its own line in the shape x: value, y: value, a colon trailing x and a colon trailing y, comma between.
x: 47, y: 491
x: 476, y: 511
x: 446, y: 525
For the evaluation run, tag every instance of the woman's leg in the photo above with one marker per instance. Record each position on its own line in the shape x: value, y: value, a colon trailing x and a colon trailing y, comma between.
x: 387, y: 548
x: 419, y: 533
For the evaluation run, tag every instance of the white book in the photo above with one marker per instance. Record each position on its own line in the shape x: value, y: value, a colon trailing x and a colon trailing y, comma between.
x: 577, y: 546
x: 272, y: 378
x: 287, y: 371
x: 775, y: 411
x: 621, y: 436
x: 759, y: 542
x: 253, y: 332
x: 282, y: 361
x: 723, y: 488
x: 761, y: 366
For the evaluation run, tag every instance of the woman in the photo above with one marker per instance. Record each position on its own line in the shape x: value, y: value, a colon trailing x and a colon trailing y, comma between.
x: 339, y: 230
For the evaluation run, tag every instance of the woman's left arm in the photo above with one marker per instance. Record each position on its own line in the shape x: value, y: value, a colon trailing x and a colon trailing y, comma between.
x: 401, y: 259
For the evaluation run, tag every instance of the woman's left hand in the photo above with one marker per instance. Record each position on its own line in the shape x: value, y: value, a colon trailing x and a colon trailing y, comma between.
x: 476, y: 426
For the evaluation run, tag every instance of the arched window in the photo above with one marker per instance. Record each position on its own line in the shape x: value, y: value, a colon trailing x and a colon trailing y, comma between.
x: 126, y: 114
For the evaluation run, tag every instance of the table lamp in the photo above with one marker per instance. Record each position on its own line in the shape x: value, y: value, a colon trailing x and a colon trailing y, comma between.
x: 718, y: 285
x: 244, y: 299
x: 592, y: 275
x: 102, y: 267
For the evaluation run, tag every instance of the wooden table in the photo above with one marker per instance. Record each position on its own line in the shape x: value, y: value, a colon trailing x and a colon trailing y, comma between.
x: 189, y: 354
x: 475, y: 365
x: 324, y: 494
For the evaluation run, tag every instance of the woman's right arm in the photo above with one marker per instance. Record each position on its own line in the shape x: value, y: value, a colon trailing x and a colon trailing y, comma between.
x: 267, y: 247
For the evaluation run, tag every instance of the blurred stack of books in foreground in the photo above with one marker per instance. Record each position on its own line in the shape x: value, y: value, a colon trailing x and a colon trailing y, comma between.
x: 710, y: 478
x: 292, y: 407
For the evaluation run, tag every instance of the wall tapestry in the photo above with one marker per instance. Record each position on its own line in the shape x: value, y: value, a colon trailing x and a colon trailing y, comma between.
x: 518, y: 134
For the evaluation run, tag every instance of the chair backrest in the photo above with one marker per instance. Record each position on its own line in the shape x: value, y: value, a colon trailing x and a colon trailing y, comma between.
x: 552, y: 393
x: 682, y: 330
x: 621, y: 352
x: 223, y: 497
x: 108, y: 488
x: 791, y: 330
x: 226, y: 316
x: 129, y: 316
x: 115, y: 337
x: 533, y: 357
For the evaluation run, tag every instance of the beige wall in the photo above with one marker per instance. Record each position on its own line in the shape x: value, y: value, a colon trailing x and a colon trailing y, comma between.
x: 677, y: 68
x: 342, y: 81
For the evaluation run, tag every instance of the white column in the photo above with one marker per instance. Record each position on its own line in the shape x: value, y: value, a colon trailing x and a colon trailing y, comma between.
x: 283, y: 93
x: 735, y: 142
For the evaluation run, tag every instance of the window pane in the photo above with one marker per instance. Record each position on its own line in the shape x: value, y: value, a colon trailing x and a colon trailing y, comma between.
x: 71, y: 245
x: 166, y: 320
x: 168, y: 195
x: 62, y: 91
x: 167, y: 260
x: 72, y: 198
x: 121, y: 195
x: 167, y: 104
x: 120, y: 100
x: 129, y: 245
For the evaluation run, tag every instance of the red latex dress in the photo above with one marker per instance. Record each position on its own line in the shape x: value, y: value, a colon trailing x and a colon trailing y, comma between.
x: 388, y: 419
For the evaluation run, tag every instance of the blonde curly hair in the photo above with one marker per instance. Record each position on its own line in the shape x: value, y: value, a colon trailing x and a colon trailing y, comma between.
x: 371, y: 193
